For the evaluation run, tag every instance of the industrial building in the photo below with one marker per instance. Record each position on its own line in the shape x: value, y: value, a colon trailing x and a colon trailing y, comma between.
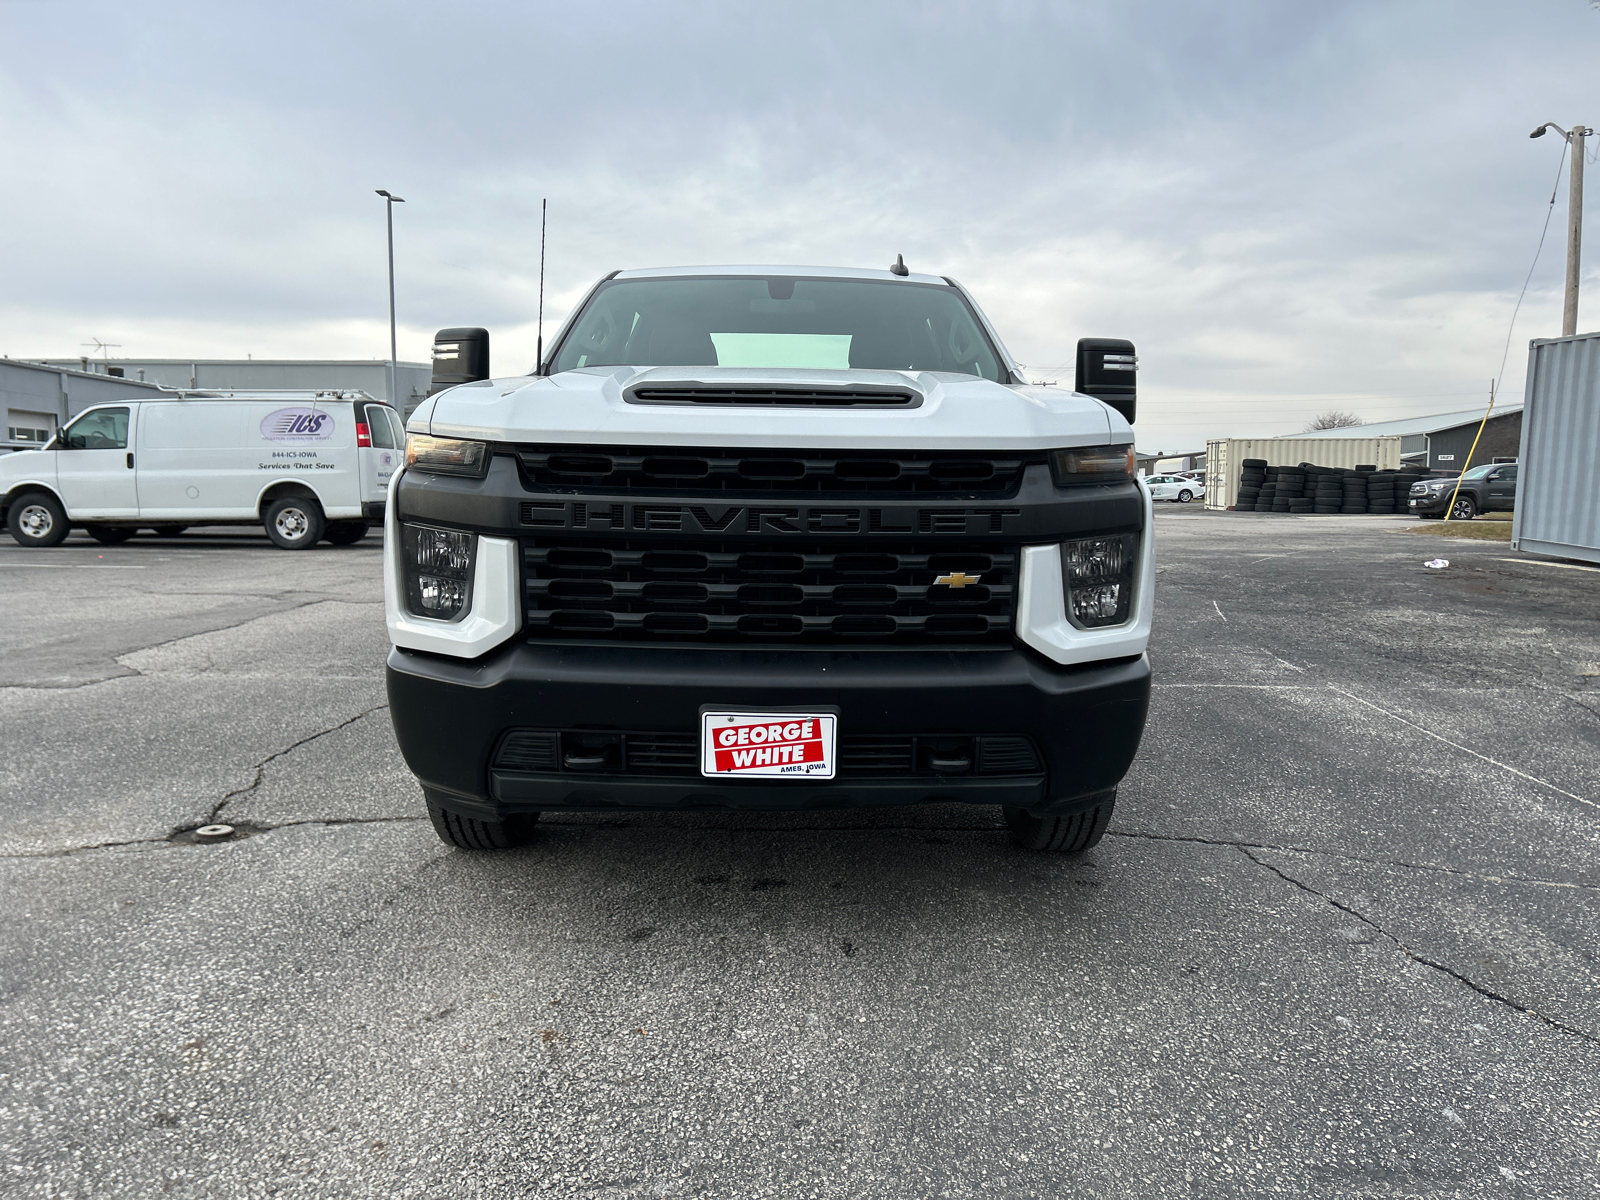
x: 38, y: 399
x: 265, y: 374
x: 1442, y: 441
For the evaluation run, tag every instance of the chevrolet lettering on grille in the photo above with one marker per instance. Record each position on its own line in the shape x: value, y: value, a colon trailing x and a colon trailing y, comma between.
x: 740, y: 518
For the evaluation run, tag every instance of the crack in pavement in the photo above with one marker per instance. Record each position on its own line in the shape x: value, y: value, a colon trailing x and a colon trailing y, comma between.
x: 168, y: 841
x: 260, y: 767
x: 128, y: 672
x: 1420, y: 959
x: 1361, y: 858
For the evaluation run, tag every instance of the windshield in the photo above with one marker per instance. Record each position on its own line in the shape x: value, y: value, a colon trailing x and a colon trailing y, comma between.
x: 1478, y: 472
x: 755, y: 321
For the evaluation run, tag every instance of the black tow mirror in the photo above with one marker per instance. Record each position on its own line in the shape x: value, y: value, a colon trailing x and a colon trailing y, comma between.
x: 459, y: 356
x: 1108, y: 370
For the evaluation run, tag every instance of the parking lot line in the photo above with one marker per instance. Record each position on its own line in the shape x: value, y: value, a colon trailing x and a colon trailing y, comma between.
x: 1467, y: 749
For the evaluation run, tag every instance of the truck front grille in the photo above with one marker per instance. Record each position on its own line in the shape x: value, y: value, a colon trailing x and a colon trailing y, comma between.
x: 865, y: 473
x: 864, y: 754
x: 747, y: 592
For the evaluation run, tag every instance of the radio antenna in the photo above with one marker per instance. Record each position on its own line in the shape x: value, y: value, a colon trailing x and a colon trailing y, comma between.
x: 539, y: 366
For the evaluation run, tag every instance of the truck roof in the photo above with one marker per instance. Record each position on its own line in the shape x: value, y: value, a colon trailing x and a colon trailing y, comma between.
x: 797, y: 272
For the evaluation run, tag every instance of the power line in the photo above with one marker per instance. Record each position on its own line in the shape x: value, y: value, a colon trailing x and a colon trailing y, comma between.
x: 1548, y: 213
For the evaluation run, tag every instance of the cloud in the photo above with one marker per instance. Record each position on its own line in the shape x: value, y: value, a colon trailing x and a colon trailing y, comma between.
x: 1287, y: 206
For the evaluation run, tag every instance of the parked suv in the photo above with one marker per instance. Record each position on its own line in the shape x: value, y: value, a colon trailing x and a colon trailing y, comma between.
x: 770, y: 538
x: 1483, y: 489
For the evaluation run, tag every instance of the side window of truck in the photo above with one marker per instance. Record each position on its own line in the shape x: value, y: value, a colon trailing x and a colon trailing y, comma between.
x: 103, y: 429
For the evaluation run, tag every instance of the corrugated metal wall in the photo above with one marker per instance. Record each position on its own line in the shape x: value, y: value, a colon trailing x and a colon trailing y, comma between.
x: 1558, y: 505
x: 1223, y: 458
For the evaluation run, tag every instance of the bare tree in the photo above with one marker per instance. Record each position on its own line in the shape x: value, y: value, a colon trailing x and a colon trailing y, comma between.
x: 1335, y: 419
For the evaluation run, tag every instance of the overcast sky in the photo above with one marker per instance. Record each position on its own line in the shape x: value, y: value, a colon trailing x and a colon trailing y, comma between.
x: 1288, y: 206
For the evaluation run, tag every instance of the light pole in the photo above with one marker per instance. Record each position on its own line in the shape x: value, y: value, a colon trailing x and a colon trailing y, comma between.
x: 1574, y: 136
x: 389, y: 202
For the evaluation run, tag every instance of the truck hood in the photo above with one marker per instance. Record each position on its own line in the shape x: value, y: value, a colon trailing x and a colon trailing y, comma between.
x: 587, y: 407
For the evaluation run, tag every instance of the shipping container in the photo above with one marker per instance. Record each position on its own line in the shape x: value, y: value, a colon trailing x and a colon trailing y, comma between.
x: 1558, y: 507
x: 1224, y: 458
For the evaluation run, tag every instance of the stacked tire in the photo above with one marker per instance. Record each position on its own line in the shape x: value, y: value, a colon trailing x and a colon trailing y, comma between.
x: 1327, y: 493
x: 1308, y: 488
x: 1252, y: 476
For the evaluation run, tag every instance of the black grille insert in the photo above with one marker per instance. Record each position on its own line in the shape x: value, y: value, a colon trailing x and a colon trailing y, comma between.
x: 810, y: 591
x: 863, y: 754
x: 781, y: 397
x: 568, y: 468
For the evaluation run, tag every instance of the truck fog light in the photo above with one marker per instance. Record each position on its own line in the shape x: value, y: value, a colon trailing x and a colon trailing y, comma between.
x: 1097, y: 575
x: 438, y: 568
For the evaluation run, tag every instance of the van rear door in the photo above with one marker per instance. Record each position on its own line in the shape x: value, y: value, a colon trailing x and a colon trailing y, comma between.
x: 378, y: 451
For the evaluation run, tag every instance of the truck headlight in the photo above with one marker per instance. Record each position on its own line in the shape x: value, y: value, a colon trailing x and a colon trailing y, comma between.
x: 447, y: 456
x: 1097, y: 574
x: 1092, y: 464
x: 438, y: 569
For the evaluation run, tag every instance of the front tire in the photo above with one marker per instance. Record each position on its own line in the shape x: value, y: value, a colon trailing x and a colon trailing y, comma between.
x: 110, y: 535
x: 469, y: 833
x: 294, y: 523
x: 1185, y: 496
x: 37, y: 519
x: 1069, y: 833
x: 1463, y: 509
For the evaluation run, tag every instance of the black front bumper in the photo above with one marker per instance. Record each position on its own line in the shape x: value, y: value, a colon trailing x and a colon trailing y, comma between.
x: 449, y: 715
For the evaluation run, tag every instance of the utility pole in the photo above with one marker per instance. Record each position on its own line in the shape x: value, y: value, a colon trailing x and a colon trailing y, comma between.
x: 1569, y: 312
x: 394, y: 355
x: 1575, y: 136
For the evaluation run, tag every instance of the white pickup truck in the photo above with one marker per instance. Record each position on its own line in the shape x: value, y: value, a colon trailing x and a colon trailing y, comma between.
x: 772, y: 538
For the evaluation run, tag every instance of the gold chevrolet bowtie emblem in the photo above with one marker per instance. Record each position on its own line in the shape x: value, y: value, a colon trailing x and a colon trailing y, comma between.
x: 957, y: 579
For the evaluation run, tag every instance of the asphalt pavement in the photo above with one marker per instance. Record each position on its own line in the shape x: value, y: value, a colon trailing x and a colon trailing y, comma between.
x: 1340, y: 941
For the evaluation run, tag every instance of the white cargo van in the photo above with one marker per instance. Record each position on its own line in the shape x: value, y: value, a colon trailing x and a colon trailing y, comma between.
x: 305, y: 465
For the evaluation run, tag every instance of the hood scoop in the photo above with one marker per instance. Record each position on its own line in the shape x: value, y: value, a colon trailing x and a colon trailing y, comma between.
x: 746, y: 395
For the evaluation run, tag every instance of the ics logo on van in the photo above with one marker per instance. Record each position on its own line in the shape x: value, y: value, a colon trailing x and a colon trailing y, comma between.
x: 297, y: 425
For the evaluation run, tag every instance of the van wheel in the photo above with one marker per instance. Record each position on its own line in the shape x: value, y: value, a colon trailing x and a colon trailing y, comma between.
x: 110, y: 535
x: 294, y: 523
x: 346, y: 533
x: 469, y: 833
x: 1071, y: 833
x: 169, y: 530
x: 37, y: 519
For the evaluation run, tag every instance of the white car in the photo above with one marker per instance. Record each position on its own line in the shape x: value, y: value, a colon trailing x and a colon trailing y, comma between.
x: 1177, y: 488
x: 306, y: 466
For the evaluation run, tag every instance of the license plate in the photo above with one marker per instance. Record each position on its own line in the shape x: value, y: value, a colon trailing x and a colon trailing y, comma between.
x: 796, y: 745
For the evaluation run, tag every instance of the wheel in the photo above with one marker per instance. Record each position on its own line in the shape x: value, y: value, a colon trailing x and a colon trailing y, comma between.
x: 294, y: 523
x: 1185, y: 496
x: 169, y: 530
x: 1463, y: 509
x: 110, y: 535
x: 345, y: 533
x: 37, y: 519
x: 1071, y: 833
x: 469, y: 833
